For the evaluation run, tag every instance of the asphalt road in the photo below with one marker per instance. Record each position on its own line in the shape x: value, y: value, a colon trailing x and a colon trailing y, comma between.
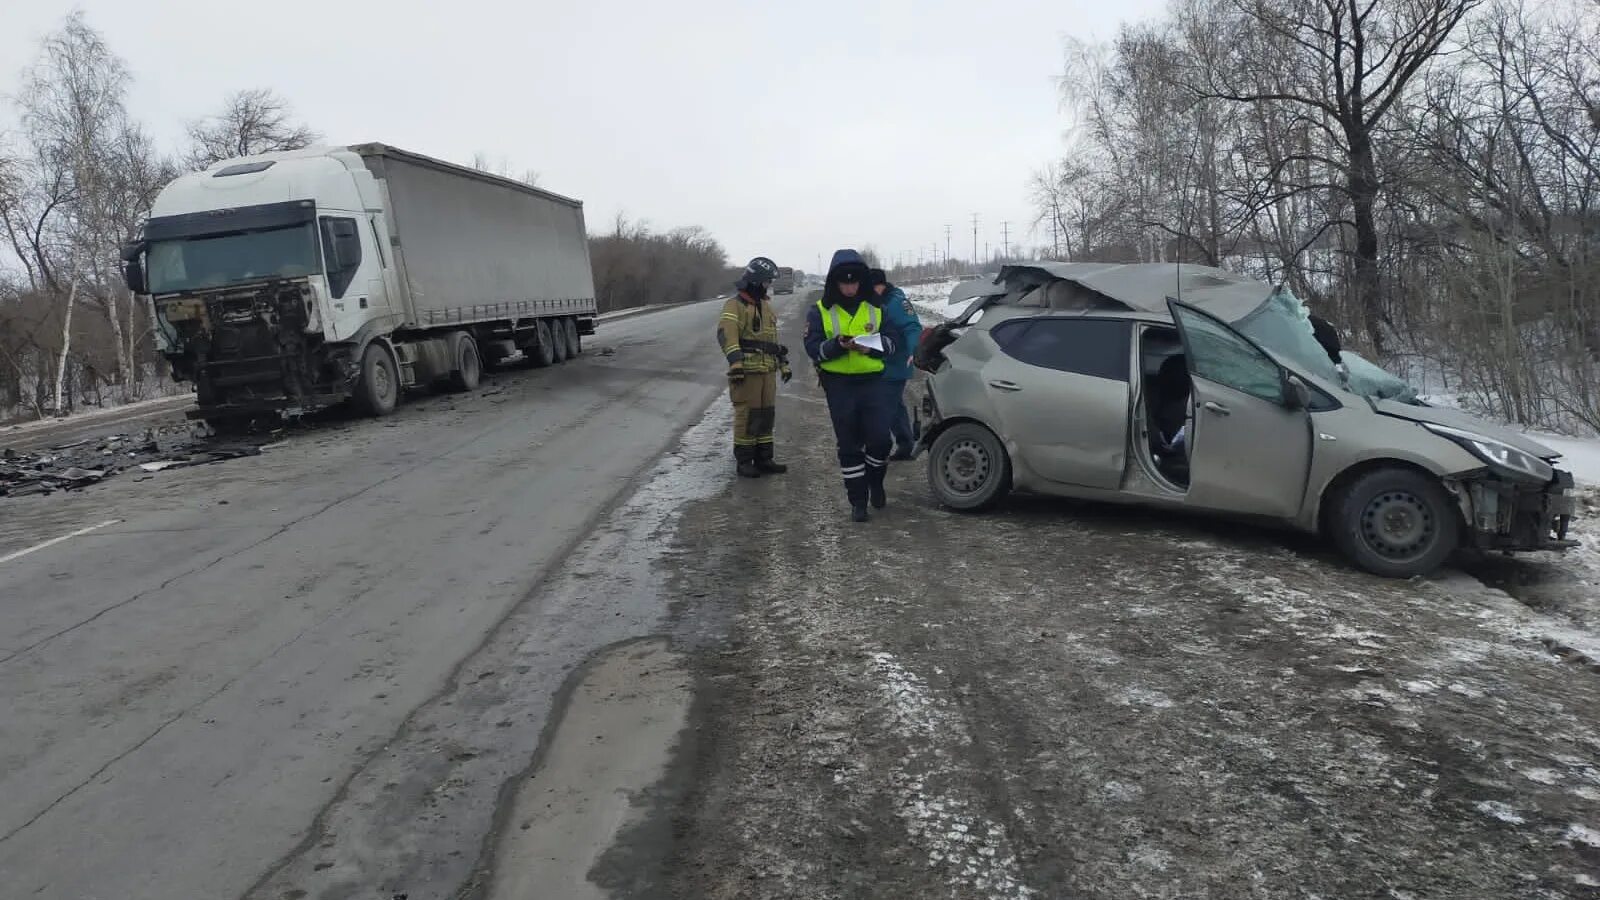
x: 536, y: 642
x: 191, y: 684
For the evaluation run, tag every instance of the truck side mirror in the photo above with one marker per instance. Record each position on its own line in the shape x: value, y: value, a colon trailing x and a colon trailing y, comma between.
x: 133, y: 267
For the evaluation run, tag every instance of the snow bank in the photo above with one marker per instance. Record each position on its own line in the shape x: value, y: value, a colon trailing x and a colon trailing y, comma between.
x: 933, y: 301
x: 1580, y: 456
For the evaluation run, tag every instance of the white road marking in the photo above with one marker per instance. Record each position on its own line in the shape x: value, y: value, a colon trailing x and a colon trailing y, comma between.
x: 54, y: 541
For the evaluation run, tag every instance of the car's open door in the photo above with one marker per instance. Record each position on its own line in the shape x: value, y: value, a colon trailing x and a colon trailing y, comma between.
x: 1251, y: 446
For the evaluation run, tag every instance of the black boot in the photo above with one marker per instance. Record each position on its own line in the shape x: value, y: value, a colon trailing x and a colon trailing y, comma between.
x: 746, y: 457
x: 766, y: 463
x: 875, y: 474
x: 856, y: 490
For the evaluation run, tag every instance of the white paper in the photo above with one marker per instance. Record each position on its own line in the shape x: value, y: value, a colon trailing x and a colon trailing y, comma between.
x: 872, y: 341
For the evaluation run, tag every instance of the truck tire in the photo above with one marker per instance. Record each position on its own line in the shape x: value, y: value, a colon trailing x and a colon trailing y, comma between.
x: 558, y: 340
x: 467, y: 371
x: 539, y: 351
x: 574, y: 340
x: 1397, y: 523
x: 378, y: 391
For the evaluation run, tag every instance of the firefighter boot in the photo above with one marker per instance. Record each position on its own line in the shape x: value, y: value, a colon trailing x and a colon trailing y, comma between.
x: 746, y: 457
x: 766, y: 463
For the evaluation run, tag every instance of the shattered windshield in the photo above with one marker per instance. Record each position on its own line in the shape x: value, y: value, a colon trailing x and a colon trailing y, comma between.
x: 198, y: 263
x: 1283, y: 325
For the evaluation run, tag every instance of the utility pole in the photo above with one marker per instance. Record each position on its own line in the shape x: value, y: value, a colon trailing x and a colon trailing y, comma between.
x: 947, y: 249
x: 975, y: 261
x: 1005, y: 240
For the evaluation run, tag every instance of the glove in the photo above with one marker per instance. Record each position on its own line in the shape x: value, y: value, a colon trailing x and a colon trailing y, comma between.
x: 736, y: 373
x: 784, y: 372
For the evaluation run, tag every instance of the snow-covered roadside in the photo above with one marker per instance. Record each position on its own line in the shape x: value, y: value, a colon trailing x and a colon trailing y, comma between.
x: 932, y: 301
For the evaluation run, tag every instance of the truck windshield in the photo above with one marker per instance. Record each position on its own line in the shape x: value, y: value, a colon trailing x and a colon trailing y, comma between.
x: 197, y: 263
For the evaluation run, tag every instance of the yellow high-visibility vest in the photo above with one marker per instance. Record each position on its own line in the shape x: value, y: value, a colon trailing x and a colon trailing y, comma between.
x: 865, y: 321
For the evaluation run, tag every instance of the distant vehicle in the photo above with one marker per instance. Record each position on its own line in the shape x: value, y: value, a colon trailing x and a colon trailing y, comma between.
x: 293, y: 281
x: 784, y: 283
x: 1077, y: 379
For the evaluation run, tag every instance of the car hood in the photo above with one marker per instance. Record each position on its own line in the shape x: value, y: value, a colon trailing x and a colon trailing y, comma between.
x: 1457, y: 419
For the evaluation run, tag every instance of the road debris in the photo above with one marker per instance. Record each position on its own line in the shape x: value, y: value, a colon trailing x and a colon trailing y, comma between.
x: 83, y: 462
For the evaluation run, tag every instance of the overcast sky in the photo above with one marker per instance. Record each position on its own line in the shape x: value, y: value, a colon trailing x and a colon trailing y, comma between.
x: 787, y: 129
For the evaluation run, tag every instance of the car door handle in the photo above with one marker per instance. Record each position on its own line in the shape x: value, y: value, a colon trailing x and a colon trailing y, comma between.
x: 1218, y: 408
x: 1011, y: 386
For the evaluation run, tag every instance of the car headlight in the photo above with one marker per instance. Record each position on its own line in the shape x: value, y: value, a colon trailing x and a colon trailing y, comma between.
x: 1497, y: 454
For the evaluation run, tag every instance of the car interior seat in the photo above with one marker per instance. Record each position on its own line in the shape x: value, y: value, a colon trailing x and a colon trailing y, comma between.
x: 1168, y: 403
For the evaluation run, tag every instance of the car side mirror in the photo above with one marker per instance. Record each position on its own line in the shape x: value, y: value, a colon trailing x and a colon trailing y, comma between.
x: 1296, y: 394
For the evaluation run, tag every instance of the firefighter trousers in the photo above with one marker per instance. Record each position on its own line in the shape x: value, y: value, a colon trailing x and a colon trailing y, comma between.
x: 755, y: 412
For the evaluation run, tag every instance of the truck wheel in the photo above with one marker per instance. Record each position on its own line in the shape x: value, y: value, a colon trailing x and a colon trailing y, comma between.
x: 574, y: 340
x: 968, y: 468
x: 539, y: 351
x: 558, y: 340
x: 468, y: 371
x: 378, y: 392
x: 1397, y: 523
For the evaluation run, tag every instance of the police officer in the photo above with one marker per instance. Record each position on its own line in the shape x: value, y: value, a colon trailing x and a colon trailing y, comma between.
x: 747, y: 334
x: 852, y: 374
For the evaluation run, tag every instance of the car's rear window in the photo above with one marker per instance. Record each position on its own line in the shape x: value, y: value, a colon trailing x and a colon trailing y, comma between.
x: 1097, y: 347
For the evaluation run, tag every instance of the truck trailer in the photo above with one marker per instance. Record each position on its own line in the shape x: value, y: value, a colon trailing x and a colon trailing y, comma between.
x: 288, y: 282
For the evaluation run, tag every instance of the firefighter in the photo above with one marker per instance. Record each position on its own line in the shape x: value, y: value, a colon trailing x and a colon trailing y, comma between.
x: 852, y: 378
x: 747, y: 334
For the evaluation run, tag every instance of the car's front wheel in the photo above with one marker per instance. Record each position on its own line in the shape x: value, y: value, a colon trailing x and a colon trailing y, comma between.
x: 968, y: 468
x: 1398, y: 523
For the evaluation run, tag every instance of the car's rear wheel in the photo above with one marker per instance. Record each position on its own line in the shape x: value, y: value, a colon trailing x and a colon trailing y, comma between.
x: 1398, y: 523
x: 968, y: 468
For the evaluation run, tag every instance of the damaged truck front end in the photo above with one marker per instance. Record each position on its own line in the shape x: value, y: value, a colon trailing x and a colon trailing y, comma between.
x: 252, y: 349
x: 235, y: 298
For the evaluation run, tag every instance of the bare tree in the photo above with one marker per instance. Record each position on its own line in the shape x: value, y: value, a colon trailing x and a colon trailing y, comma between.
x: 251, y: 122
x: 72, y: 105
x: 503, y: 168
x: 1346, y: 63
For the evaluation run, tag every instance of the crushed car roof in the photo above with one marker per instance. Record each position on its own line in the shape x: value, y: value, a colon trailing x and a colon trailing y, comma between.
x: 1139, y: 287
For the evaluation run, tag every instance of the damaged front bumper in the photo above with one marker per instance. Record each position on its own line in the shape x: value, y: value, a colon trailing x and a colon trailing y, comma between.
x: 1502, y: 514
x: 254, y: 349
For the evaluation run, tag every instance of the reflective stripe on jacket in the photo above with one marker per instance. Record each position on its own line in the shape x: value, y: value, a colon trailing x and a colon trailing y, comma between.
x: 747, y: 332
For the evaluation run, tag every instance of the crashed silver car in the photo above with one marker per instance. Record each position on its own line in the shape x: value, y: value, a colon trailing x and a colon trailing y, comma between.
x: 1193, y: 387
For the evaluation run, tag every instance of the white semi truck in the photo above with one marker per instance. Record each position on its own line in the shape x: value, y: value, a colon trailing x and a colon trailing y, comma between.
x: 287, y: 282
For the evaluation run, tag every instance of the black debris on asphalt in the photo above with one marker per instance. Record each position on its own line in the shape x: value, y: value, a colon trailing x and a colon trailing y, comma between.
x: 84, y: 462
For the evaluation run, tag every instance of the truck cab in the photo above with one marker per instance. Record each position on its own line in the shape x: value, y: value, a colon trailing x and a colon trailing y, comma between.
x: 280, y: 282
x: 259, y: 268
